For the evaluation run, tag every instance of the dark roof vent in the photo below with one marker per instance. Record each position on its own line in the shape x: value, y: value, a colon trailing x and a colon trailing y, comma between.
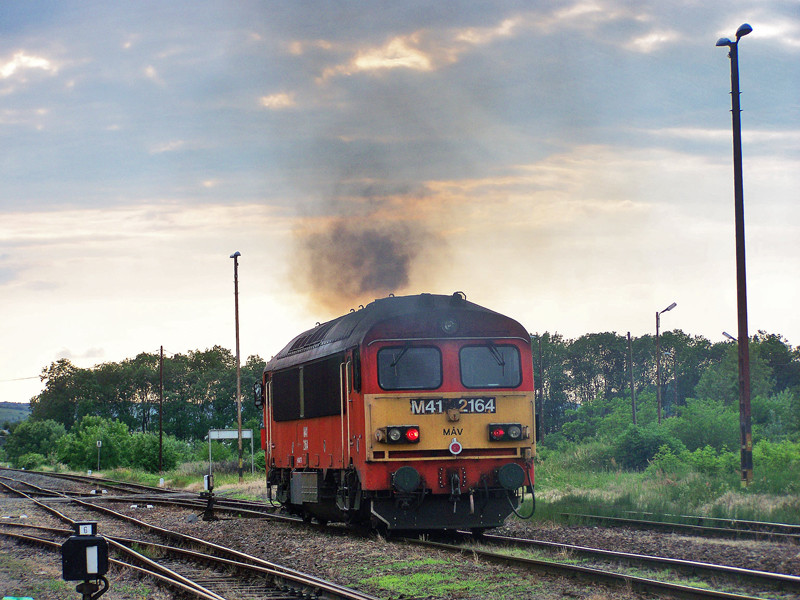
x: 426, y: 300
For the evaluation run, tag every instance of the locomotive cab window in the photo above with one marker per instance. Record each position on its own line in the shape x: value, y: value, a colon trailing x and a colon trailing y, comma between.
x: 490, y: 365
x: 409, y: 368
x: 309, y: 391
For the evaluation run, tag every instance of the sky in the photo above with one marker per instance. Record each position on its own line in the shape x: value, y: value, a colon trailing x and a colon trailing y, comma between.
x: 566, y: 163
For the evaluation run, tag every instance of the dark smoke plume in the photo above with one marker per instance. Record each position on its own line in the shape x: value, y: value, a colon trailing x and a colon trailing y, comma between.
x: 351, y: 261
x: 367, y: 245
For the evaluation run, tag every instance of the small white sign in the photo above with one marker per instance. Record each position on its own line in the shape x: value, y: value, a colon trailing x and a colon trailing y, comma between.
x: 85, y: 529
x: 99, y: 443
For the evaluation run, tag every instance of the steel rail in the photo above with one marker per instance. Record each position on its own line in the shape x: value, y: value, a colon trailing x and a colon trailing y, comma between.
x: 327, y: 587
x: 697, y: 529
x: 124, y: 545
x: 594, y: 575
x: 230, y: 552
x: 744, y: 524
x: 94, y: 480
x: 193, y: 589
x: 781, y: 580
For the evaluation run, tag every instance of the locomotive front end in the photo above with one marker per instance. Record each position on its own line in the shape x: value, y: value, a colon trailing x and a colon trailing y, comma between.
x: 450, y: 420
x: 412, y: 413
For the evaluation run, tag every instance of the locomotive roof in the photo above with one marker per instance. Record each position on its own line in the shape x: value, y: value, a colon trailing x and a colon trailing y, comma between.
x: 351, y: 329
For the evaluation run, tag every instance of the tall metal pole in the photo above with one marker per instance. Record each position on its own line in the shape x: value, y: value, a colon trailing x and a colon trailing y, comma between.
x: 741, y: 276
x: 658, y: 367
x: 658, y: 357
x: 235, y: 256
x: 630, y: 373
x: 161, y: 410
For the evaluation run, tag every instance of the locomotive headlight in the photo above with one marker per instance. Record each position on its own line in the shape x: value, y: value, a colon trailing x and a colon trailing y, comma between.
x: 507, y: 432
x: 497, y: 433
x: 398, y: 434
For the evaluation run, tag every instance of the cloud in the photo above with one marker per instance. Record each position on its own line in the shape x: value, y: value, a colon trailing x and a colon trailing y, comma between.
x: 652, y: 41
x: 480, y: 36
x: 151, y: 73
x: 22, y: 62
x: 279, y: 101
x: 168, y: 147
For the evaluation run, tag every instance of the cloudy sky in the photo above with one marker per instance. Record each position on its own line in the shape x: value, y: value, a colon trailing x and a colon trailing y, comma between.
x: 567, y: 163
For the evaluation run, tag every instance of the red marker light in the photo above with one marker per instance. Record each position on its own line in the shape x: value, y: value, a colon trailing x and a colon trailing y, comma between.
x: 412, y: 435
x: 498, y: 433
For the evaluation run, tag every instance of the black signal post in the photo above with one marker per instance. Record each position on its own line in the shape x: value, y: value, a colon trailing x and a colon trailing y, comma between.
x: 741, y: 278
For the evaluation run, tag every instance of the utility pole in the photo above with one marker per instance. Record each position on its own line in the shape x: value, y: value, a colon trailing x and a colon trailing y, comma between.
x: 630, y: 373
x: 741, y: 277
x: 235, y: 256
x: 161, y: 410
x: 658, y: 357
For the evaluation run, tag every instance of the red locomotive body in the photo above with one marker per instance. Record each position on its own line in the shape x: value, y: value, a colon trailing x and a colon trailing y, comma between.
x: 413, y: 412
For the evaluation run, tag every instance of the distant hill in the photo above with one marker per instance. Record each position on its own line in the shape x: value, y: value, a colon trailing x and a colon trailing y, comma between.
x: 14, y: 411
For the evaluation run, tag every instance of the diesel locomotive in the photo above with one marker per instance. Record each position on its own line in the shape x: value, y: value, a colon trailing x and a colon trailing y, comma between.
x: 411, y: 413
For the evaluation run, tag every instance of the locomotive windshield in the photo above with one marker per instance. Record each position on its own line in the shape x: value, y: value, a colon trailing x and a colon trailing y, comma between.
x: 490, y: 366
x: 409, y: 368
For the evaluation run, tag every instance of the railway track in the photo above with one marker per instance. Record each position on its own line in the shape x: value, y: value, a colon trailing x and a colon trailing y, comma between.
x: 777, y: 585
x: 594, y: 575
x: 205, y: 572
x: 774, y: 581
x: 720, y: 527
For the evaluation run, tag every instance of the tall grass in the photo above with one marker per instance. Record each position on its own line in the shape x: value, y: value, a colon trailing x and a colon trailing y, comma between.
x: 582, y: 479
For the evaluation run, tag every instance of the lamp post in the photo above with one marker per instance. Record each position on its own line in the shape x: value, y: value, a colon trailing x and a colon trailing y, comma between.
x: 658, y: 357
x: 741, y: 278
x: 235, y: 256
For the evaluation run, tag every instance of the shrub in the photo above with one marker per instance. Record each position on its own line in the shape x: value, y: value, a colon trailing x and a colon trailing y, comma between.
x: 705, y: 423
x: 38, y: 437
x: 220, y: 451
x: 79, y: 450
x: 667, y: 462
x: 260, y: 461
x: 637, y: 446
x: 709, y: 461
x: 29, y: 461
x: 144, y: 452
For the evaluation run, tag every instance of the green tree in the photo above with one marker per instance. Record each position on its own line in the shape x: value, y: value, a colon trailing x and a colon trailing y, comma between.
x: 79, y: 450
x: 720, y: 381
x: 144, y: 452
x: 38, y: 437
x: 704, y: 422
x: 65, y: 386
x: 637, y: 445
x: 780, y: 357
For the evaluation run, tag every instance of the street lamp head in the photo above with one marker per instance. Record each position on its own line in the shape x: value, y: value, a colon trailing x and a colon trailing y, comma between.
x: 724, y: 42
x: 743, y: 30
x: 235, y: 254
x: 670, y: 307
